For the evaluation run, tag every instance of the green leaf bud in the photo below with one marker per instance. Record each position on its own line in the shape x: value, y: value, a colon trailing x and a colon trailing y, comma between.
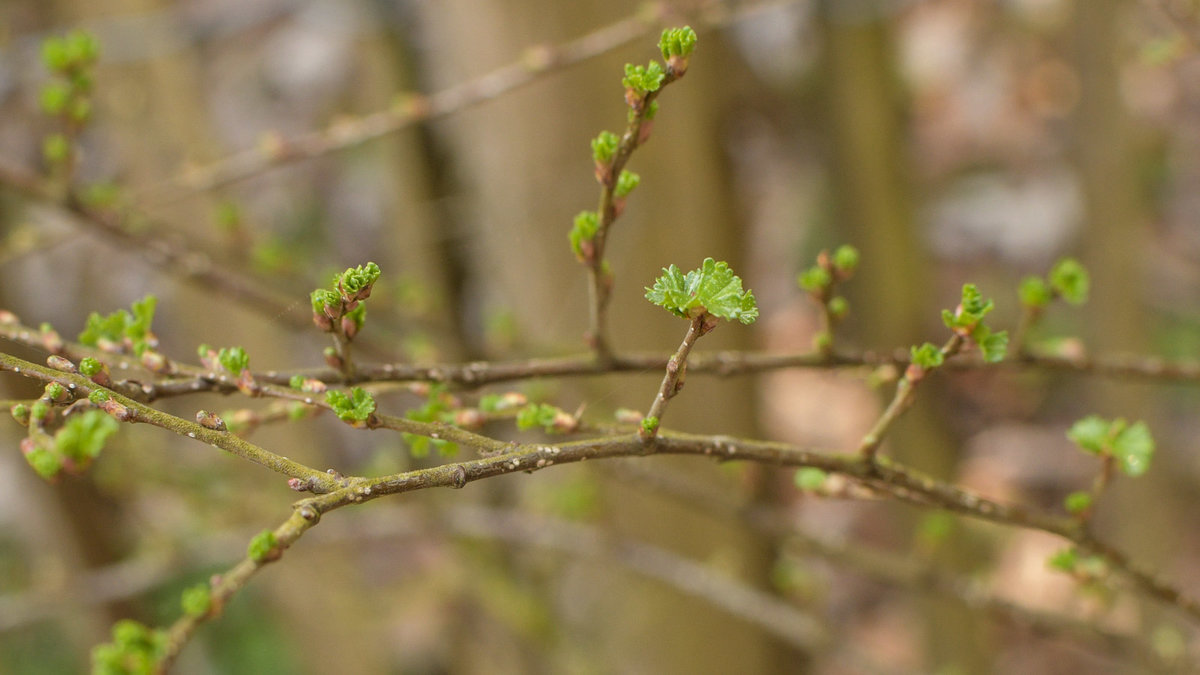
x: 839, y: 307
x: 1064, y: 560
x: 234, y: 359
x: 927, y: 356
x: 357, y: 406
x: 643, y: 79
x: 98, y: 396
x: 39, y: 410
x: 56, y: 148
x: 604, y: 147
x: 1078, y: 502
x: 1034, y: 292
x: 262, y: 547
x: 1070, y: 280
x: 54, y: 97
x: 20, y: 413
x: 89, y: 366
x: 810, y: 479
x: 814, y: 279
x: 196, y: 601
x: 650, y: 424
x: 678, y: 42
x: 83, y: 436
x: 582, y: 233
x: 845, y: 260
x: 55, y: 392
x: 626, y: 182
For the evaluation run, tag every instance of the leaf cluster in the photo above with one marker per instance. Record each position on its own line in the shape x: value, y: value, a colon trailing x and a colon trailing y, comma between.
x: 122, y: 331
x: 1068, y: 279
x: 967, y: 321
x: 1131, y: 445
x: 355, y: 407
x: 134, y: 650
x: 712, y: 289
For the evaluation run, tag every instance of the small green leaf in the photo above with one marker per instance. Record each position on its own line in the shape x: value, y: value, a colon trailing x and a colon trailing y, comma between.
x: 296, y: 381
x: 810, y: 478
x: 713, y: 288
x: 927, y: 356
x: 604, y: 147
x: 584, y: 230
x: 355, y: 407
x: 45, y: 462
x: 1034, y: 292
x: 650, y: 424
x: 814, y: 279
x: 1078, y: 502
x: 1133, y: 448
x: 626, y: 182
x: 98, y: 396
x: 677, y: 42
x: 845, y: 259
x: 1091, y: 434
x: 1070, y: 280
x: 121, y: 327
x: 262, y: 546
x: 643, y: 79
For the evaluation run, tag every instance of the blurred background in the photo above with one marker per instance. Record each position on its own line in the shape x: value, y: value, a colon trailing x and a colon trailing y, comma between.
x: 948, y: 140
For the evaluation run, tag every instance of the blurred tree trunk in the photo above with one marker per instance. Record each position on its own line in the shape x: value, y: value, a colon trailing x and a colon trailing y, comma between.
x: 873, y: 200
x: 528, y: 173
x: 1109, y: 156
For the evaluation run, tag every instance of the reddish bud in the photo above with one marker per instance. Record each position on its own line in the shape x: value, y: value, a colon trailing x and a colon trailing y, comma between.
x: 62, y: 364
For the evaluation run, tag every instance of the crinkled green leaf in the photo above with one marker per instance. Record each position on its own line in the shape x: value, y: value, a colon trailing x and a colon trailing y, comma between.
x: 626, y: 182
x: 713, y: 288
x: 537, y: 415
x: 927, y: 356
x: 643, y: 79
x: 586, y: 224
x: 355, y: 407
x: 604, y: 147
x: 233, y: 359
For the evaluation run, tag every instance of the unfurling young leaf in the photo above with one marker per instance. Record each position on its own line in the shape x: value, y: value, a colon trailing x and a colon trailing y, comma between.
x: 643, y: 79
x: 121, y: 329
x: 626, y: 182
x: 677, y: 42
x: 355, y: 407
x: 582, y: 233
x: 712, y: 289
x: 233, y: 359
x: 604, y: 147
x: 927, y: 356
x: 1078, y: 502
x: 262, y: 547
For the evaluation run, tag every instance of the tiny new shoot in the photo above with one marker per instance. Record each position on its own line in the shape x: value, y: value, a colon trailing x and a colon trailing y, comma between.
x: 703, y: 296
x: 1120, y: 446
x: 820, y: 281
x: 610, y: 153
x: 1067, y: 280
x: 67, y: 98
x: 967, y: 326
x: 339, y: 311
